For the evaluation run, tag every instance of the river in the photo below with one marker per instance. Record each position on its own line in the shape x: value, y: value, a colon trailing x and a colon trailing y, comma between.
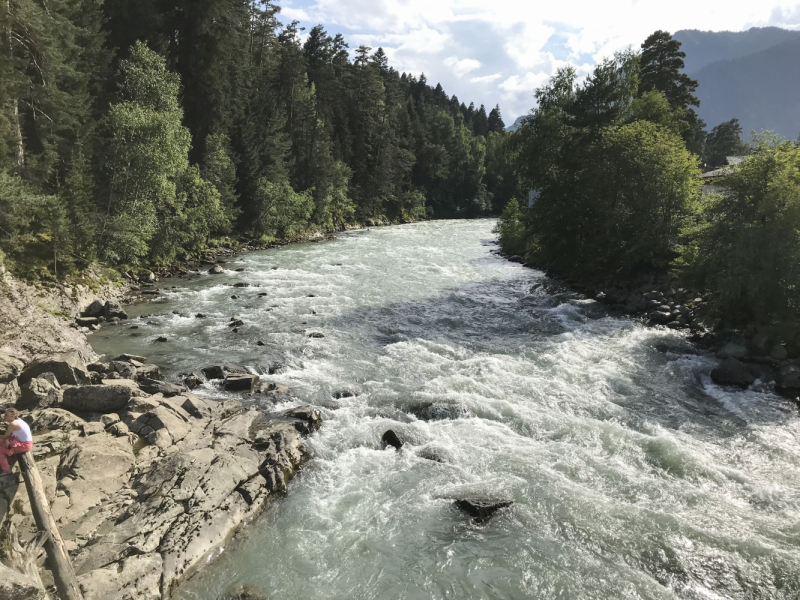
x: 632, y: 474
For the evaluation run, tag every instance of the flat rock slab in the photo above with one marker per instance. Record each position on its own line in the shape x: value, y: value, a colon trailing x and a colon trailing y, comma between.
x: 481, y: 509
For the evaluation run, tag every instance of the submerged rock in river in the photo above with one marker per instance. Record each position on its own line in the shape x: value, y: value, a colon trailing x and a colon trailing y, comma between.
x: 390, y: 438
x: 481, y: 509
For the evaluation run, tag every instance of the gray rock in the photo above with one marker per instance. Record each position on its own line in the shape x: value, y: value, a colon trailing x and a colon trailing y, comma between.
x: 240, y: 382
x: 732, y: 349
x: 10, y: 368
x: 244, y: 592
x: 49, y: 378
x: 9, y: 392
x: 53, y: 419
x: 390, y: 438
x: 306, y: 419
x: 788, y: 381
x: 66, y: 366
x: 113, y: 310
x: 216, y: 270
x: 148, y: 372
x: 125, y: 369
x: 241, y: 284
x: 193, y: 380
x: 38, y: 393
x: 778, y: 352
x: 315, y: 334
x: 153, y: 386
x: 218, y: 371
x: 98, y: 398
x: 661, y: 317
x: 732, y: 372
x: 481, y: 509
x: 94, y: 310
x: 109, y: 419
x: 93, y: 428
x: 97, y: 367
x: 86, y: 321
x: 130, y: 357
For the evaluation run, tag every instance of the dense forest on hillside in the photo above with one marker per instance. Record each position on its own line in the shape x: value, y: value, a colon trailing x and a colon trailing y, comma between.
x: 133, y: 131
x: 616, y: 163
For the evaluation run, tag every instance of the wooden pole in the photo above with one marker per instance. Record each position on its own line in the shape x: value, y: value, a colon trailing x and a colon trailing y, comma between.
x: 64, y: 576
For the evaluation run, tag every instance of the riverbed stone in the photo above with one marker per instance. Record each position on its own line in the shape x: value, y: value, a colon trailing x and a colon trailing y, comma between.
x: 481, y: 509
x: 244, y: 592
x: 125, y: 369
x: 732, y: 372
x: 216, y: 270
x: 240, y: 382
x: 732, y: 349
x: 218, y: 371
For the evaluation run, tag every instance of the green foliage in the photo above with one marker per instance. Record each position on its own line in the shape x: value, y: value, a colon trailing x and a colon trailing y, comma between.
x: 35, y: 232
x: 281, y: 212
x: 745, y: 245
x: 615, y: 180
x: 723, y: 141
x: 149, y: 128
x: 145, y: 149
x: 511, y: 229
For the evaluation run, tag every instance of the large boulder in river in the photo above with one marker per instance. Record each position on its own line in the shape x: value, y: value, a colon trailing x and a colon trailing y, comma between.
x: 390, y: 438
x: 789, y: 380
x: 38, y: 393
x: 94, y: 310
x: 66, y: 366
x: 112, y: 310
x: 240, y: 382
x: 98, y: 398
x: 216, y: 270
x: 218, y: 371
x: 732, y: 372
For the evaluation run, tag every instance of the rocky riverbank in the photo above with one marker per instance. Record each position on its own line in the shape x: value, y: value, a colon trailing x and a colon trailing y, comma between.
x: 757, y: 354
x: 145, y: 479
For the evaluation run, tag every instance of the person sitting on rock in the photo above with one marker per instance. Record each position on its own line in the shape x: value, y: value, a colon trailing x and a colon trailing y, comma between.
x: 16, y: 440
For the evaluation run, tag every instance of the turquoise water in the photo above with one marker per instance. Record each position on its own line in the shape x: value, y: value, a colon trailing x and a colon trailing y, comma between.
x: 633, y: 475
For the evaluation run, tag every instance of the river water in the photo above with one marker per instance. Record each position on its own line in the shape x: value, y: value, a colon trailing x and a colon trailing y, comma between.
x: 632, y: 475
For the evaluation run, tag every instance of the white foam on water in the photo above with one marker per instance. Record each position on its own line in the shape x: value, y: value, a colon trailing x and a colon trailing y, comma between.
x: 633, y: 475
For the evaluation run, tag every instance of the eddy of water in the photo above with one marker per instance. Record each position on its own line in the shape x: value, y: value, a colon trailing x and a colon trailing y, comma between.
x: 632, y: 474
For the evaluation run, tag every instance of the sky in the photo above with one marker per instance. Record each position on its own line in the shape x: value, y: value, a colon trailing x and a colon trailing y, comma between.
x: 499, y: 51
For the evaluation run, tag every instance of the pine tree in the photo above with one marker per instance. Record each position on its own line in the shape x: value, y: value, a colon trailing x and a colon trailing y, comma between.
x: 495, y: 121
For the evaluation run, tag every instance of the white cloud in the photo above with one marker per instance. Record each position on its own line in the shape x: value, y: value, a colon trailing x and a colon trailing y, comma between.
x: 461, y: 67
x: 521, y: 43
x: 486, y: 78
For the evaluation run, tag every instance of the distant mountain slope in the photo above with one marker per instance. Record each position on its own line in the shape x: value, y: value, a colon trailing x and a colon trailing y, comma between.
x: 515, y: 124
x: 762, y: 90
x: 705, y: 47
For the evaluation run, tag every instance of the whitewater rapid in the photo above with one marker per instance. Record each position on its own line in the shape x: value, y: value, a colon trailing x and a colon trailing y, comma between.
x: 632, y: 474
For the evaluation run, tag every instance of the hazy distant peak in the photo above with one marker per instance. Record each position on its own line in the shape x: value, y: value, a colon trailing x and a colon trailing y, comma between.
x: 705, y: 47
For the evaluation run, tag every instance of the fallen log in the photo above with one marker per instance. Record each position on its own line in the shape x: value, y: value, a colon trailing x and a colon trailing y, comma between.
x: 58, y: 559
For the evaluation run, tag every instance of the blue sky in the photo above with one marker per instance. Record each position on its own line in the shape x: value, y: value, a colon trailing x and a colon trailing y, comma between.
x: 500, y: 51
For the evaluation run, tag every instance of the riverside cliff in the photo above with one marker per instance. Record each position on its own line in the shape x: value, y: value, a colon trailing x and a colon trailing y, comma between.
x: 145, y: 479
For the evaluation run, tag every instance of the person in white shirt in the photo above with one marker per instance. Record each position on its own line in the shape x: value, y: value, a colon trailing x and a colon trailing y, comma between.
x: 16, y: 440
